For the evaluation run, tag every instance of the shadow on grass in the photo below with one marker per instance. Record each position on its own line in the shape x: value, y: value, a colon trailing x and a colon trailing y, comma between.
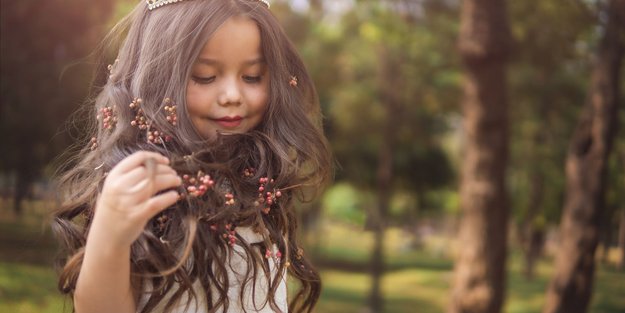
x: 357, y: 262
x: 344, y: 301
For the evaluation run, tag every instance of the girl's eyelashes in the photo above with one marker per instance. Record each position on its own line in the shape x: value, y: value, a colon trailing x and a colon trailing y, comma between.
x: 252, y: 79
x: 203, y: 80
x: 246, y: 78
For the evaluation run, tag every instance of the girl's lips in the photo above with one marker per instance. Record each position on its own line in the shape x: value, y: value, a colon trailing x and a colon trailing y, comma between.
x: 229, y: 121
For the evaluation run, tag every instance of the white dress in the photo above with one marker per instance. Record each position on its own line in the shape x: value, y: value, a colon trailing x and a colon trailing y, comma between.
x: 252, y: 303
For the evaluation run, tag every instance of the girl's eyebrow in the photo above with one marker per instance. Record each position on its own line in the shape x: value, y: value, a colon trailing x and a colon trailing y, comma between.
x: 209, y: 61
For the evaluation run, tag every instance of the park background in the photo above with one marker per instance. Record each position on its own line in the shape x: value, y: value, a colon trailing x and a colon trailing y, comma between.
x: 465, y: 133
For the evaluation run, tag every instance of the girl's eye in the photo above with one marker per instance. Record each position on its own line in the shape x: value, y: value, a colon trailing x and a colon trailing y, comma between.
x: 203, y: 80
x: 252, y: 79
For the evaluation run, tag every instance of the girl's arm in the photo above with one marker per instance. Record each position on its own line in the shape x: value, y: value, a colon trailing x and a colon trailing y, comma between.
x: 128, y: 200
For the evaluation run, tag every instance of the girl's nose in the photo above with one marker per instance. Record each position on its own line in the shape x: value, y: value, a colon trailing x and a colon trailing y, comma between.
x: 230, y: 93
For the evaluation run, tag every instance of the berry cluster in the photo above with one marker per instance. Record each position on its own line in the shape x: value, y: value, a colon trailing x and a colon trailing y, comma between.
x: 108, y: 117
x: 140, y: 121
x: 156, y: 137
x: 162, y: 223
x: 198, y: 185
x: 268, y: 198
x: 94, y: 143
x: 110, y: 67
x: 229, y: 198
x: 268, y: 254
x: 170, y: 108
x: 229, y: 233
x: 249, y: 172
x: 293, y: 81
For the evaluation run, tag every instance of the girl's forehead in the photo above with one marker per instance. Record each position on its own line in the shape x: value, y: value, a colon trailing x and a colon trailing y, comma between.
x: 237, y: 38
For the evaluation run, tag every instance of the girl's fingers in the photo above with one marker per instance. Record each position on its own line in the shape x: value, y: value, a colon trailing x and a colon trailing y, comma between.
x: 136, y: 175
x: 159, y: 203
x: 137, y: 159
x: 166, y: 181
x: 160, y: 182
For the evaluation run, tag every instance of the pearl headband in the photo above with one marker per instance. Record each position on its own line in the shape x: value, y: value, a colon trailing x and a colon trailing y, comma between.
x: 153, y: 4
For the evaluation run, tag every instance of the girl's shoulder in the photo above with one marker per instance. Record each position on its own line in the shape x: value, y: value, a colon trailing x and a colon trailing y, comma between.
x: 249, y: 235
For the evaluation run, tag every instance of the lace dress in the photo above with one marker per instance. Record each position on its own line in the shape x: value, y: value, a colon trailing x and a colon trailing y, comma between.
x: 253, y: 302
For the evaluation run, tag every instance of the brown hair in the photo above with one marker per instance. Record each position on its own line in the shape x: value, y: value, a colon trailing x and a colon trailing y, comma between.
x: 154, y: 63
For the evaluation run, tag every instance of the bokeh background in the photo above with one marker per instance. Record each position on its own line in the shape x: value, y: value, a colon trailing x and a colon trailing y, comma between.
x: 395, y: 80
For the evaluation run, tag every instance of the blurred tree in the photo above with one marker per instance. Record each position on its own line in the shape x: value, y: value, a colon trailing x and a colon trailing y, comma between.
x: 571, y: 286
x: 39, y: 39
x: 479, y: 284
x: 621, y: 240
x: 545, y: 86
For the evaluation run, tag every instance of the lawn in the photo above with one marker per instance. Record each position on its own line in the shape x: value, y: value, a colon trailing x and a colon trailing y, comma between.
x: 417, y: 280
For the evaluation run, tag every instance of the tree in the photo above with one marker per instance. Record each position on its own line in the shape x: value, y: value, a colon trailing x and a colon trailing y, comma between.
x: 545, y: 86
x: 571, y: 286
x: 479, y: 282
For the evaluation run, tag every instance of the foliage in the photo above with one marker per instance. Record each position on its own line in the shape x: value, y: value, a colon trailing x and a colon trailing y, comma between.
x: 376, y: 46
x: 548, y: 81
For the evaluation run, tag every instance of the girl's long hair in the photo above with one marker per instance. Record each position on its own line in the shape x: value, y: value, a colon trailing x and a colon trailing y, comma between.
x: 155, y: 54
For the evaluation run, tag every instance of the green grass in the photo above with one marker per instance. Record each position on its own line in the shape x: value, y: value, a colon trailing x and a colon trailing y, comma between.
x: 29, y: 289
x: 416, y: 281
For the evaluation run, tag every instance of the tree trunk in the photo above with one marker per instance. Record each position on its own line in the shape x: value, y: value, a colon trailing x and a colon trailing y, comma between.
x: 26, y: 168
x: 479, y: 274
x: 621, y: 240
x: 384, y: 176
x: 571, y: 286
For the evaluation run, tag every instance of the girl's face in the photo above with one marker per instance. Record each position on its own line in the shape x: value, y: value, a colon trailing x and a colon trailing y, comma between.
x: 229, y: 85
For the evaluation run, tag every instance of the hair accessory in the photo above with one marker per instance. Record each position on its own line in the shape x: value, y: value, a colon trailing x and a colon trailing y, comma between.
x: 267, y: 199
x: 107, y: 114
x: 229, y: 198
x: 110, y: 67
x: 153, y: 135
x: 172, y: 118
x: 139, y: 120
x: 94, y: 143
x: 230, y: 234
x: 162, y: 222
x: 153, y: 4
x: 249, y: 172
x: 293, y: 81
x: 198, y: 185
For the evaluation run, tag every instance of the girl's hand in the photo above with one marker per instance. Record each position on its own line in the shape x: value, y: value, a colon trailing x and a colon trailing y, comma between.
x: 128, y: 199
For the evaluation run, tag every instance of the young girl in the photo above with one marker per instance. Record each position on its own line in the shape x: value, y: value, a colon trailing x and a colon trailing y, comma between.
x: 205, y: 132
